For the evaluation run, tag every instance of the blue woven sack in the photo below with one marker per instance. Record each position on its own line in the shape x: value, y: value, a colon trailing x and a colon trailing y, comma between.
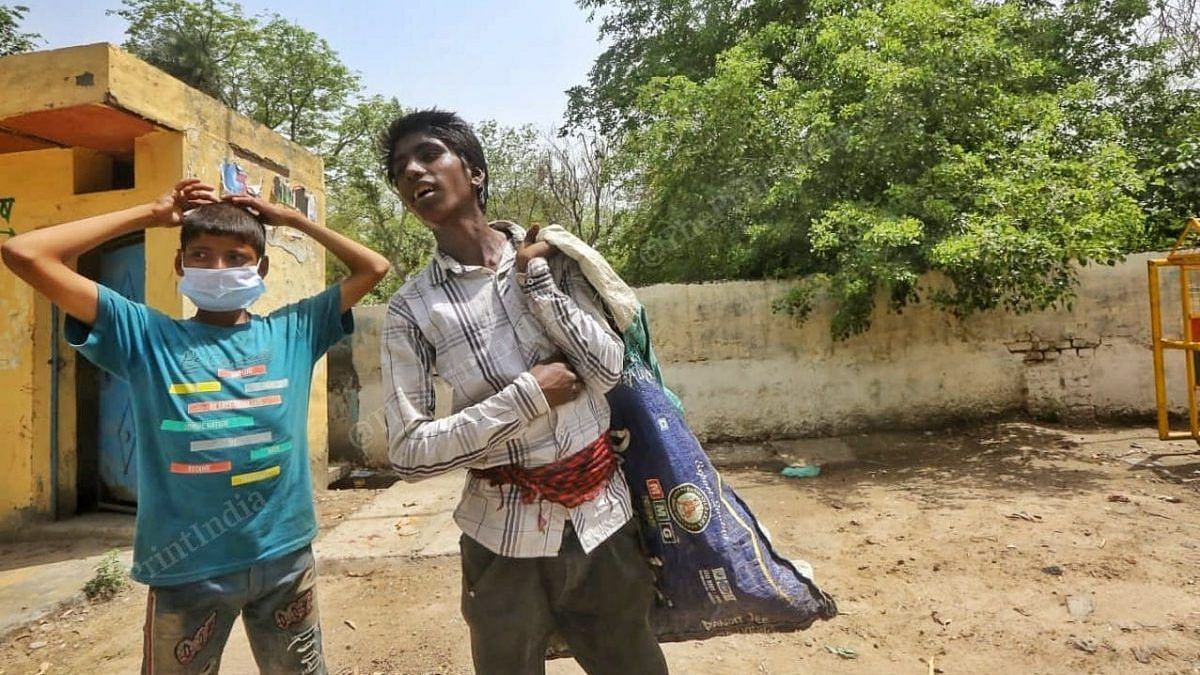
x: 717, y: 571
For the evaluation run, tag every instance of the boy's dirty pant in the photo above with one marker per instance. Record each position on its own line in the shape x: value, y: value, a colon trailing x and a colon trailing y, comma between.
x: 598, y: 602
x: 187, y: 625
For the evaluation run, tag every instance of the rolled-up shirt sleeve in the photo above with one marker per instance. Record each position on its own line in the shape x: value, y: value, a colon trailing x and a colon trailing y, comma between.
x: 420, y: 446
x: 575, y: 323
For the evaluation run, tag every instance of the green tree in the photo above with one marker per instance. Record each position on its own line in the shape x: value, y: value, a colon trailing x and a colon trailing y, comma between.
x: 362, y: 205
x: 550, y: 178
x: 1142, y: 56
x: 1177, y: 22
x: 276, y: 72
x: 207, y: 44
x: 661, y: 38
x: 12, y: 39
x: 299, y: 86
x: 516, y: 174
x: 877, y: 141
x: 577, y: 177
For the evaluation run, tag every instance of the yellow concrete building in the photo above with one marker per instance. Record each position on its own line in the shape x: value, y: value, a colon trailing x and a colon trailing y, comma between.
x: 87, y: 130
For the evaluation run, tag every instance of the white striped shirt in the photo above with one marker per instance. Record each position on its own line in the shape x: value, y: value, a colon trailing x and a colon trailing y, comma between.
x: 482, y: 331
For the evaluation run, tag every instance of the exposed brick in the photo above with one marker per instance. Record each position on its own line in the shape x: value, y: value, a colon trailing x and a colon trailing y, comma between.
x: 1019, y: 347
x: 1085, y: 353
x: 1034, y: 356
x: 1063, y: 344
x: 1083, y: 343
x: 1050, y: 355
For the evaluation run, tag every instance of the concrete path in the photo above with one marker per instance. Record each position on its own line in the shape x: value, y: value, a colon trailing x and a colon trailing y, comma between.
x: 31, y: 592
x: 406, y: 521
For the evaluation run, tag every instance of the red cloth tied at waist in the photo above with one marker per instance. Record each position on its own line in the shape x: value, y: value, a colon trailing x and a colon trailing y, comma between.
x: 570, y: 481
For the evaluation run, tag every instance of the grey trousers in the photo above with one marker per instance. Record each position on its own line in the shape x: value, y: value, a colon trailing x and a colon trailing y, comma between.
x: 187, y: 625
x: 598, y: 603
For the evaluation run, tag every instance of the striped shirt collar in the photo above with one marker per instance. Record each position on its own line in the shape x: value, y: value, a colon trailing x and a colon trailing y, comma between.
x: 444, y: 265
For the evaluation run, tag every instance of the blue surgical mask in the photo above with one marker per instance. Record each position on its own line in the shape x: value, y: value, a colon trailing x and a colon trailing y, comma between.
x: 223, y: 290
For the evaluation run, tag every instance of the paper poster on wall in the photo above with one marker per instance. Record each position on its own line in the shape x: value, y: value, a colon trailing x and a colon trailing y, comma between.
x: 235, y: 180
x: 281, y: 192
x: 305, y: 202
x: 300, y: 198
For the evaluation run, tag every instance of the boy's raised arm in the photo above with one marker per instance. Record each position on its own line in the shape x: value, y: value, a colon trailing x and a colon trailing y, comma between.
x: 41, y: 257
x: 367, y: 268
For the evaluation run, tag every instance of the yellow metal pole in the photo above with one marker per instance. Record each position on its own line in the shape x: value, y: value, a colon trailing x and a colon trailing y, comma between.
x: 1185, y: 299
x: 1177, y: 436
x: 1184, y: 346
x: 1160, y: 380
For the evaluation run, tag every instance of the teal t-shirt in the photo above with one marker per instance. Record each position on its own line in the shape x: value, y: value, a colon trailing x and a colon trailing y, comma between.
x: 222, y: 430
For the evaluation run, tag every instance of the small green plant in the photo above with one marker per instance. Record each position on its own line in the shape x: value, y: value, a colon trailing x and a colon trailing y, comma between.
x: 110, y: 579
x: 798, y: 301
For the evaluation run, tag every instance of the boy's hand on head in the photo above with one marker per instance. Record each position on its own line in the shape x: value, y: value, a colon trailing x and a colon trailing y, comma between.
x: 532, y: 248
x: 187, y: 194
x: 268, y: 213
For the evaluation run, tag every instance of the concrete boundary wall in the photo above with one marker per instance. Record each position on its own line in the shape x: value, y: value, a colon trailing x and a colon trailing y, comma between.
x: 744, y: 372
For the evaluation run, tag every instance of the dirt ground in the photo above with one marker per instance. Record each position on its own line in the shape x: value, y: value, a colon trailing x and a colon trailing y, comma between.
x: 948, y: 552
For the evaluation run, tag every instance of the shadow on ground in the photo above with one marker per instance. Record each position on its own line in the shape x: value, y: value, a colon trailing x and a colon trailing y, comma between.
x: 18, y: 555
x: 1178, y: 467
x: 947, y: 465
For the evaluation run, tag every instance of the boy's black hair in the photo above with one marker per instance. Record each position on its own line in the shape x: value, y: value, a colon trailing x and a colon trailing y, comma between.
x: 224, y: 219
x: 448, y: 128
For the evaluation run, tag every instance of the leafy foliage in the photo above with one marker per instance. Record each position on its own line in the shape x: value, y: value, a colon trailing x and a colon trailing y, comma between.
x: 876, y: 141
x: 207, y: 44
x: 109, y: 580
x: 276, y: 72
x: 12, y: 39
x: 661, y: 38
x: 550, y: 178
x: 298, y: 86
x: 362, y: 205
x: 516, y: 175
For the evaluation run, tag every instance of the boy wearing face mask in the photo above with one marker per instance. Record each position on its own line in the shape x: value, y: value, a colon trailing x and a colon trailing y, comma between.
x: 225, y: 515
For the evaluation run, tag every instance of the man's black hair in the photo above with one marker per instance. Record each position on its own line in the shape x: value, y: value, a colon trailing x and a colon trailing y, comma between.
x: 448, y: 128
x: 224, y: 219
